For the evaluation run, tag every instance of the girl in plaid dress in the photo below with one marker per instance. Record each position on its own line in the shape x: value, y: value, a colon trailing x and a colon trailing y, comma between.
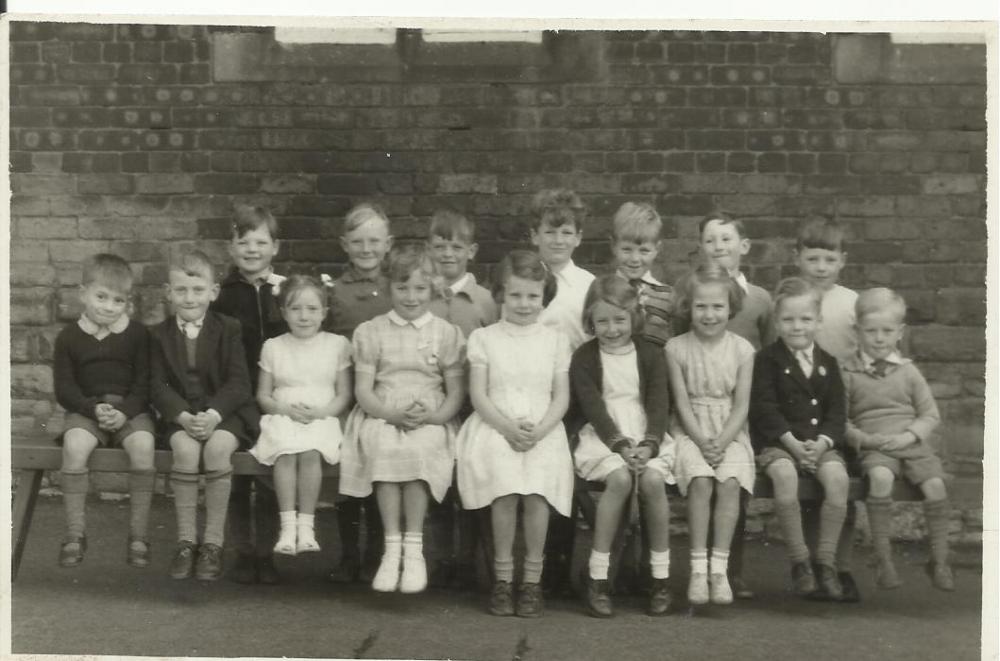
x: 399, y: 439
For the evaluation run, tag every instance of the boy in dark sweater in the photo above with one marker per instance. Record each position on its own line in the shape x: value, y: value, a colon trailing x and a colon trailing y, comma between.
x: 201, y: 389
x: 247, y: 295
x: 101, y: 375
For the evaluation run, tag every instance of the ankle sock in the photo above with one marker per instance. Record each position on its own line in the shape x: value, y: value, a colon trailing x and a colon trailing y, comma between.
x: 936, y: 513
x: 831, y: 522
x: 185, y: 488
x: 699, y: 561
x: 533, y: 570
x: 719, y: 562
x: 413, y: 544
x: 75, y: 485
x: 659, y: 564
x: 393, y: 545
x: 218, y: 485
x: 789, y: 515
x: 503, y: 570
x: 598, y: 565
x: 140, y: 486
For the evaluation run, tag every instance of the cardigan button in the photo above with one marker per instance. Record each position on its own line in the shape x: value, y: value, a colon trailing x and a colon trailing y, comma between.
x: 814, y: 422
x: 813, y: 402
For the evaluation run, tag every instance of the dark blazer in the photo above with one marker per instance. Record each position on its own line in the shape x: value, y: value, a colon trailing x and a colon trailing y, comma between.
x: 587, y: 404
x: 783, y: 399
x: 221, y: 366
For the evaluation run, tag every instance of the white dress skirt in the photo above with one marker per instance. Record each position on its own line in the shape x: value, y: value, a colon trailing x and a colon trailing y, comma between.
x: 520, y: 362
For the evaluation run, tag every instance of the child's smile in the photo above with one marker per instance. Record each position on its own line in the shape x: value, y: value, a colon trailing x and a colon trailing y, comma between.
x: 522, y: 300
x: 190, y: 295
x: 634, y: 259
x: 367, y: 244
x: 304, y: 313
x: 797, y: 319
x: 101, y: 304
x: 879, y: 333
x: 556, y: 244
x: 410, y: 298
x: 820, y: 266
x: 253, y: 252
x: 721, y: 242
x: 612, y: 325
x: 451, y: 256
x: 710, y: 310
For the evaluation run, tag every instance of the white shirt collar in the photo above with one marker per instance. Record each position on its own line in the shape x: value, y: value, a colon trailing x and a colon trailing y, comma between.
x: 741, y: 280
x: 647, y: 278
x: 197, y: 323
x: 570, y: 272
x: 461, y: 283
x: 807, y: 352
x: 88, y: 326
x: 419, y: 322
x: 893, y: 358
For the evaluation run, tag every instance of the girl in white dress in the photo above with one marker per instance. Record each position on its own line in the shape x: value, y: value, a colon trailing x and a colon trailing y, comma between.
x: 620, y: 407
x: 304, y: 384
x: 710, y: 370
x: 410, y: 384
x: 513, y: 449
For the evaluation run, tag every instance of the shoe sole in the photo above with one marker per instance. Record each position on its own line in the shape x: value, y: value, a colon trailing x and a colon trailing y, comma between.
x: 180, y: 577
x: 208, y: 578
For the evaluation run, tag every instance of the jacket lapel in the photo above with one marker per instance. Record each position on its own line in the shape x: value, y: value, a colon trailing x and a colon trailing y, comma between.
x: 208, y: 342
x: 792, y: 366
x: 173, y: 347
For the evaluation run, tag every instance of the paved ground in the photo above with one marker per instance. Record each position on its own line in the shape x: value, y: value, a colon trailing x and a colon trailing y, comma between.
x: 107, y: 607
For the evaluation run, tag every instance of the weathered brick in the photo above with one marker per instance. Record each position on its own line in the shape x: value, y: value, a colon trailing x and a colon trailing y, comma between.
x: 913, y: 205
x: 83, y: 31
x: 467, y: 183
x: 162, y: 184
x: 30, y: 306
x: 147, y: 74
x: 135, y: 162
x: 871, y: 205
x: 952, y: 184
x: 31, y: 274
x: 51, y: 95
x: 117, y: 52
x: 104, y: 184
x: 960, y: 306
x: 43, y: 184
x: 86, y: 74
x: 27, y: 52
x: 27, y: 381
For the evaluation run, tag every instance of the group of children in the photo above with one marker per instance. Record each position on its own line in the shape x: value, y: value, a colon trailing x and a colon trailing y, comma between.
x: 619, y: 379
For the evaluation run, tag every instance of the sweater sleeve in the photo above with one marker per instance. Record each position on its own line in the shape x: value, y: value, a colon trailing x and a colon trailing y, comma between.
x: 137, y: 399
x: 68, y: 392
x: 587, y: 392
x: 924, y: 405
x: 657, y: 401
x: 767, y: 422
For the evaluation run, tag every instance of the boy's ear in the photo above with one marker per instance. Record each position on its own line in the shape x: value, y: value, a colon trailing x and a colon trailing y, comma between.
x: 473, y: 249
x: 277, y: 247
x: 388, y: 242
x: 744, y: 246
x: 343, y: 243
x: 215, y: 291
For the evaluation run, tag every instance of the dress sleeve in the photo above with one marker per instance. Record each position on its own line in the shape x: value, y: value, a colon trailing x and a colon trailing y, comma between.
x: 366, y: 348
x: 563, y: 353
x: 451, y: 353
x: 345, y: 353
x: 476, y: 349
x: 266, y: 361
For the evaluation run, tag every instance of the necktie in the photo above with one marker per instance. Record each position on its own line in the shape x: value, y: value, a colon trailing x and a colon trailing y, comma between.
x: 191, y: 329
x: 879, y: 367
x: 805, y: 361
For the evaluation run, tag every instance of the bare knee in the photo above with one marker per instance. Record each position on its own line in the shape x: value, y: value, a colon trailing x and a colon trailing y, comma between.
x: 77, y: 446
x: 309, y: 459
x: 833, y: 477
x: 728, y: 490
x: 139, y: 447
x: 187, y: 452
x: 651, y: 485
x: 880, y: 481
x: 219, y: 450
x: 700, y: 488
x: 618, y: 483
x: 784, y: 478
x: 934, y: 489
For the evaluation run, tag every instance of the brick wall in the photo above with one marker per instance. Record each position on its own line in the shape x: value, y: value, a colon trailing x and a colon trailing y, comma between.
x: 137, y: 139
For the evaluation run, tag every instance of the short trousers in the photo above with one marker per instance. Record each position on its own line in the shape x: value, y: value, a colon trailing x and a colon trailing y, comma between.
x: 771, y: 454
x: 917, y: 466
x: 112, y: 439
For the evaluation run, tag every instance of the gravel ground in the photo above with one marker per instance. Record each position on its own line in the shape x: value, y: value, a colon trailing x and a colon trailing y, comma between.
x: 106, y: 607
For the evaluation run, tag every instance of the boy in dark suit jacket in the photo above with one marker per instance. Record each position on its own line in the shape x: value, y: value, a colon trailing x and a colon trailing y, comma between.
x: 201, y: 389
x: 797, y: 423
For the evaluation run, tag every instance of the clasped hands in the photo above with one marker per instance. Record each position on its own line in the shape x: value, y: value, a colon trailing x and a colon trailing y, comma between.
x: 636, y: 456
x: 893, y: 442
x: 412, y: 417
x: 108, y: 417
x: 199, y: 426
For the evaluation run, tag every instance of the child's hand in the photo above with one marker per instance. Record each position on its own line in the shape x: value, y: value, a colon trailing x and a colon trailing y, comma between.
x: 415, y: 416
x: 192, y: 425
x: 640, y: 457
x: 114, y: 421
x: 207, y: 423
x: 897, y: 442
x: 301, y: 413
x: 520, y: 435
x: 711, y: 452
x: 803, y: 456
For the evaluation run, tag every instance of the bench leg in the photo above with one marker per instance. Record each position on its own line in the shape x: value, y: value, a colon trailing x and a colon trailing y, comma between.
x: 24, y: 508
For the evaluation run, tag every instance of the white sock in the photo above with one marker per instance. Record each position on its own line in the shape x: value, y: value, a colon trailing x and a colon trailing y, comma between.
x: 699, y: 562
x: 393, y: 545
x: 720, y: 561
x: 287, y: 519
x: 598, y: 565
x: 659, y: 563
x: 305, y: 520
x: 413, y: 543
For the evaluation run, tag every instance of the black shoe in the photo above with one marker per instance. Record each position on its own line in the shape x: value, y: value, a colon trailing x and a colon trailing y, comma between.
x: 829, y: 582
x: 72, y: 550
x: 803, y: 579
x: 182, y: 566
x: 267, y: 573
x: 740, y: 588
x: 529, y: 600
x: 852, y: 594
x: 245, y: 569
x: 599, y: 597
x: 659, y: 597
x: 347, y: 571
x: 208, y: 566
x: 502, y: 599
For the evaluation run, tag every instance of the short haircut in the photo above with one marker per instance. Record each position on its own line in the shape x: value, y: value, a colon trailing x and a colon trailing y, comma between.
x: 193, y: 263
x: 296, y: 283
x: 362, y: 213
x: 557, y: 207
x: 527, y: 265
x: 706, y: 273
x: 793, y: 288
x: 247, y: 218
x: 406, y: 258
x: 109, y: 271
x: 879, y: 299
x: 613, y: 290
x: 637, y: 222
x: 447, y: 224
x: 821, y: 232
x: 725, y: 219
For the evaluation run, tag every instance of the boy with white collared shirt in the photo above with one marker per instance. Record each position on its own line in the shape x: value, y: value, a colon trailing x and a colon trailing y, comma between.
x: 557, y: 229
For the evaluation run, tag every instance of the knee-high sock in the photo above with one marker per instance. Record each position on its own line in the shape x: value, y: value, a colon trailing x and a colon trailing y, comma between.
x: 845, y: 548
x: 75, y: 485
x: 937, y: 512
x: 879, y: 519
x: 789, y: 515
x: 831, y: 522
x: 140, y: 487
x: 185, y: 488
x: 217, y: 487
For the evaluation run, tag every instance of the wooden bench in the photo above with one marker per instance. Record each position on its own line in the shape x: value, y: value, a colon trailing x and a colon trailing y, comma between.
x: 32, y: 457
